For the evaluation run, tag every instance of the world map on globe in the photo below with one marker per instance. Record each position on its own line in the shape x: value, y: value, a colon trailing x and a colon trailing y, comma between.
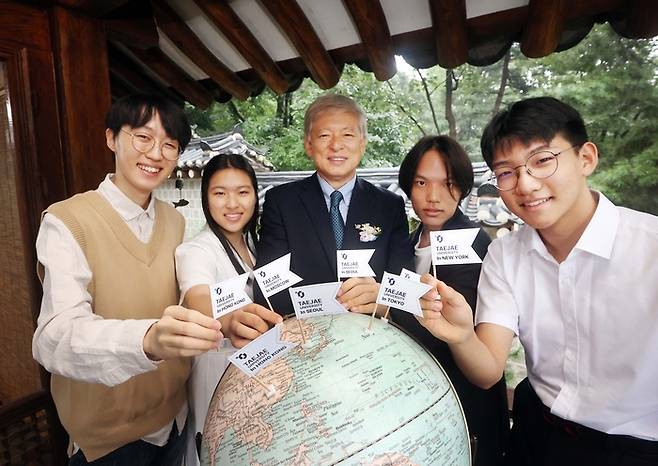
x: 349, y: 396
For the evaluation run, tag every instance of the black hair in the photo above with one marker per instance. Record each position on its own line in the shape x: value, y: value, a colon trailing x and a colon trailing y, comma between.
x: 138, y: 109
x: 528, y: 120
x: 222, y: 162
x: 460, y: 169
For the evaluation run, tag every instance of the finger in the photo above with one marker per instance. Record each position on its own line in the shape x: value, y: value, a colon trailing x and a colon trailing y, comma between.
x: 428, y: 279
x: 252, y: 321
x: 352, y: 282
x: 245, y: 332
x: 449, y: 295
x: 360, y: 294
x: 170, y: 326
x: 362, y: 308
x: 190, y: 315
x: 431, y: 305
x: 264, y: 313
x: 187, y: 346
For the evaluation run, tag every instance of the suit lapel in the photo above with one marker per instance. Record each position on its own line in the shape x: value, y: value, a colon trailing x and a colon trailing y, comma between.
x: 313, y: 200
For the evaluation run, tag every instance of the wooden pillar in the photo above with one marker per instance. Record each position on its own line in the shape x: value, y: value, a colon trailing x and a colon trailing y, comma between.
x: 83, y: 83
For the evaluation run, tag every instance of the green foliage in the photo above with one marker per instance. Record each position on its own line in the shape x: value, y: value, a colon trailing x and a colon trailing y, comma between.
x: 610, y: 80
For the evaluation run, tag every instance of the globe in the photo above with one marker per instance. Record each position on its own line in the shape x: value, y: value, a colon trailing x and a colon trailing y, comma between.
x: 349, y: 396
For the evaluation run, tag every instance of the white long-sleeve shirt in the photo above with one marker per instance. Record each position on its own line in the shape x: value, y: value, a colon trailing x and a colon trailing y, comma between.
x: 70, y: 339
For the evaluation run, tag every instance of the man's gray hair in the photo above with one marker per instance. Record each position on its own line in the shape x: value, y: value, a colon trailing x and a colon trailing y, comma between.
x: 333, y: 102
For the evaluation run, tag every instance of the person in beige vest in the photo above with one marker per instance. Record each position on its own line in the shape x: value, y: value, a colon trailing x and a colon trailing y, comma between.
x: 110, y: 330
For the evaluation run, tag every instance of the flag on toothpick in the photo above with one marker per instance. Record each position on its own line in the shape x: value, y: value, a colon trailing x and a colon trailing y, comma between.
x: 454, y: 247
x: 276, y: 276
x: 229, y: 295
x: 401, y: 293
x: 410, y: 275
x: 354, y: 263
x: 261, y: 352
x: 316, y: 300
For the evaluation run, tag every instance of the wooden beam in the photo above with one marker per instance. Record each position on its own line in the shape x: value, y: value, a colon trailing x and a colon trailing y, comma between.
x: 450, y: 32
x: 124, y: 69
x: 93, y: 8
x: 129, y: 71
x: 169, y: 72
x: 138, y: 32
x: 84, y: 94
x: 543, y: 27
x: 188, y: 43
x: 296, y: 26
x: 640, y: 20
x: 370, y: 21
x: 227, y: 21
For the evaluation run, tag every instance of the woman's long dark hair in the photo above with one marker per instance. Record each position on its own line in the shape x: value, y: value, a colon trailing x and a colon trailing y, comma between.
x: 222, y: 162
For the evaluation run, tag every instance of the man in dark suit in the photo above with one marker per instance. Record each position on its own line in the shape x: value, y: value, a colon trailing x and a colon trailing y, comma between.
x: 334, y: 209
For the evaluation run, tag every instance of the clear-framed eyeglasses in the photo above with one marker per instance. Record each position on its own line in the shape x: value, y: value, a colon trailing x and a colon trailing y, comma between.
x: 540, y: 165
x: 144, y: 142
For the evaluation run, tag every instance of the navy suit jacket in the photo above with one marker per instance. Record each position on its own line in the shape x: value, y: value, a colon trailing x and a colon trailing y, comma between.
x: 295, y: 219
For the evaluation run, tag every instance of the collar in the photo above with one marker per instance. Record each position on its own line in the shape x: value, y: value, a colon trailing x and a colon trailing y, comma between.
x: 346, y: 190
x: 598, y: 237
x: 125, y: 207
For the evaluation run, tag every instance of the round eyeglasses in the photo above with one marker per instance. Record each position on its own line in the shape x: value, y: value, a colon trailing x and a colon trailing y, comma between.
x: 539, y: 165
x: 144, y: 142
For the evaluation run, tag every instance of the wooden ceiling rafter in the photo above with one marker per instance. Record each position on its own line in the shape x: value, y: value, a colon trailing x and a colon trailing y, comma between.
x: 641, y: 20
x: 230, y: 24
x: 139, y: 32
x: 94, y: 8
x: 160, y: 64
x: 124, y: 70
x: 188, y: 43
x: 372, y: 26
x: 296, y: 26
x: 543, y: 27
x: 450, y: 32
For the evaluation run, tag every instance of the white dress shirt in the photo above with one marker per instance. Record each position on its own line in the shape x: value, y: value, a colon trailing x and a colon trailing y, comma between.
x: 203, y: 261
x: 589, y: 326
x: 70, y: 339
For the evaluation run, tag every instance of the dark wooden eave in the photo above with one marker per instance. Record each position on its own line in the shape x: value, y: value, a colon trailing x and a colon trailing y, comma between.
x: 450, y: 29
x: 541, y: 28
x: 299, y: 30
x: 163, y: 66
x: 244, y: 41
x: 190, y: 45
x: 371, y: 23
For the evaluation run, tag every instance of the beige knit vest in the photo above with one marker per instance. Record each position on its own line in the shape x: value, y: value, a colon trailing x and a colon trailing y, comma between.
x: 130, y: 280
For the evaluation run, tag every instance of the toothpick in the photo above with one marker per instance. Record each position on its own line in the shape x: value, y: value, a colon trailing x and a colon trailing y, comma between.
x: 269, y: 389
x: 269, y: 303
x: 388, y: 308
x: 434, y: 269
x: 301, y: 331
x: 372, y: 317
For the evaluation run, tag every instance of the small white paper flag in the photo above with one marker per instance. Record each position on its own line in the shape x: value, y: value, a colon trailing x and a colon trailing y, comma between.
x: 229, y: 295
x: 261, y: 352
x: 316, y: 300
x: 276, y: 276
x: 354, y: 263
x: 454, y: 247
x: 401, y: 293
x: 410, y: 275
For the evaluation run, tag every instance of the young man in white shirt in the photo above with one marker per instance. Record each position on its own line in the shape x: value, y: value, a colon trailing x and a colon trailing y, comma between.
x: 113, y: 340
x: 577, y: 284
